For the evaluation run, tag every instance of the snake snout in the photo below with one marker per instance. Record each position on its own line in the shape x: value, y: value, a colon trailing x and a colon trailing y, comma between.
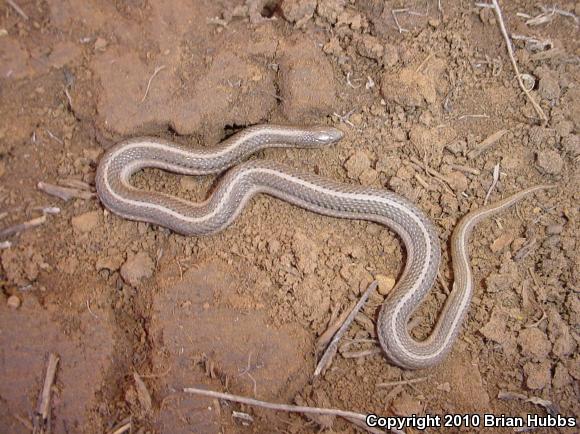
x: 326, y: 135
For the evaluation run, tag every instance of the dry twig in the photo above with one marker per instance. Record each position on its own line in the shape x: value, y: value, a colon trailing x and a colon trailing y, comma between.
x: 495, y: 6
x: 157, y: 71
x: 12, y: 230
x: 122, y: 427
x: 548, y: 15
x: 328, y: 355
x: 486, y: 144
x: 17, y: 8
x: 42, y: 415
x: 403, y: 382
x: 493, y: 183
x: 356, y: 418
x: 65, y: 193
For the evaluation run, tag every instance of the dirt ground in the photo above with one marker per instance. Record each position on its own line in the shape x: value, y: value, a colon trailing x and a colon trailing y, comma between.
x: 136, y: 313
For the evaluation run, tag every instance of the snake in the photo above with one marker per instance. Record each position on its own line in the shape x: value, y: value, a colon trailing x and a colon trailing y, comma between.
x: 246, y: 178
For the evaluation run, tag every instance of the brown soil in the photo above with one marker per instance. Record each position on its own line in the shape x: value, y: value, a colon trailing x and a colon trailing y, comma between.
x: 240, y: 311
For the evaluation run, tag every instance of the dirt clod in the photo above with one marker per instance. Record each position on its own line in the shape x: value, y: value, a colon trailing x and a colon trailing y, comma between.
x: 13, y: 302
x: 550, y: 162
x: 136, y: 268
x: 408, y: 88
x: 86, y: 222
x: 533, y: 343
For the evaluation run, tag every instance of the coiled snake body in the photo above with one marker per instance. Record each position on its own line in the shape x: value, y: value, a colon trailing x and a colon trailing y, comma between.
x: 311, y: 192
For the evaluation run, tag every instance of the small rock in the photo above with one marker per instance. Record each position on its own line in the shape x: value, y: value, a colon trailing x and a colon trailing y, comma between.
x: 388, y: 164
x: 330, y: 9
x: 386, y: 283
x: 408, y: 88
x: 549, y: 88
x: 86, y: 222
x: 501, y: 242
x: 561, y: 376
x: 537, y: 374
x: 370, y: 46
x: 68, y: 265
x: 357, y: 164
x: 574, y: 367
x: 13, y: 302
x: 564, y: 344
x: 497, y: 282
x: 495, y: 329
x: 100, y: 44
x: 298, y: 11
x: 307, y: 85
x: 564, y: 128
x: 306, y: 253
x: 110, y: 262
x: 458, y: 181
x: 273, y: 247
x: 465, y: 380
x: 142, y: 394
x: 554, y: 229
x: 63, y: 53
x: 399, y: 134
x: 433, y: 22
x: 550, y: 162
x: 368, y: 177
x: 136, y: 268
x: 391, y: 55
x: 538, y: 135
x: 571, y: 145
x: 406, y: 405
x: 534, y: 343
x: 444, y: 387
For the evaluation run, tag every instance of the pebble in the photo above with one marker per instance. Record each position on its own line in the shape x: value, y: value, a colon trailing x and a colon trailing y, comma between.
x: 550, y: 162
x: 554, y: 229
x: 534, y: 343
x: 331, y: 9
x: 368, y: 177
x: 298, y: 11
x: 571, y: 145
x: 110, y: 262
x: 406, y: 405
x: 137, y: 268
x: 13, y: 302
x: 538, y: 135
x: 564, y: 128
x: 386, y: 284
x: 537, y: 374
x: 408, y: 88
x: 273, y: 246
x: 549, y: 87
x: 356, y: 164
x: 561, y: 376
x: 86, y: 222
x: 391, y: 55
x: 100, y: 44
x: 371, y: 47
x: 458, y: 181
x: 501, y: 242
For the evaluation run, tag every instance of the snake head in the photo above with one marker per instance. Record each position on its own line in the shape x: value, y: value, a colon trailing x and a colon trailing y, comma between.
x: 324, y: 135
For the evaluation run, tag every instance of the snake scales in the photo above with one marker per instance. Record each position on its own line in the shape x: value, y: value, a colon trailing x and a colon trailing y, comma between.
x: 313, y: 193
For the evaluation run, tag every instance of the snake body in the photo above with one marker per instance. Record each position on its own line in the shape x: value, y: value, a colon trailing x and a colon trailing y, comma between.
x: 313, y: 193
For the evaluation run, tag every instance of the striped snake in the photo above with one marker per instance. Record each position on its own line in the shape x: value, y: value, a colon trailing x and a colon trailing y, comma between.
x: 313, y: 193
